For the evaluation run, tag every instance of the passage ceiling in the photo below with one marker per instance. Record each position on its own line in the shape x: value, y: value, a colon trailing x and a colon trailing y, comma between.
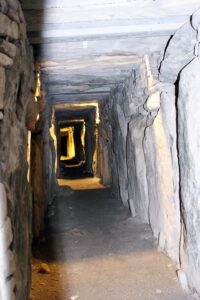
x: 86, y: 47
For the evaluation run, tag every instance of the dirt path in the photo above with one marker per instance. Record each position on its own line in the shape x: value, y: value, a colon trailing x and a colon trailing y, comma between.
x: 95, y: 251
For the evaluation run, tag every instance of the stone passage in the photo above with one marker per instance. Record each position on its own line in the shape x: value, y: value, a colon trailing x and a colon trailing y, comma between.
x: 95, y: 250
x: 107, y: 89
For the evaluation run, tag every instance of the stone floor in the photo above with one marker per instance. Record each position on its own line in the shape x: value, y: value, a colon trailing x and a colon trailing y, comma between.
x: 96, y: 251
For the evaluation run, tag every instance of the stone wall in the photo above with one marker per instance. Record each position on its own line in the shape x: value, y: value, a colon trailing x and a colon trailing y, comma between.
x: 17, y: 87
x: 180, y: 67
x: 154, y: 148
x: 104, y: 148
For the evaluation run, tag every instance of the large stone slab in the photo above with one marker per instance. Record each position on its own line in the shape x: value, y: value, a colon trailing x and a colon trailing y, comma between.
x: 163, y: 176
x: 179, y: 53
x: 189, y: 145
x: 137, y: 182
x: 120, y: 133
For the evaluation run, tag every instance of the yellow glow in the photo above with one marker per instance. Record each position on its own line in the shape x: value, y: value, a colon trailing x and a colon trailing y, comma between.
x: 164, y: 155
x: 69, y: 133
x: 83, y: 136
x: 95, y: 152
x: 76, y: 106
x: 66, y: 130
x: 29, y: 154
x: 82, y: 184
x: 71, y: 121
x: 167, y: 214
x: 38, y: 89
x: 53, y: 135
x: 38, y: 84
x: 153, y: 102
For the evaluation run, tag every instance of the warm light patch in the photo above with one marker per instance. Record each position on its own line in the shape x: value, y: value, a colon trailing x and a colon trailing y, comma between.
x: 53, y: 136
x: 38, y: 89
x: 83, y: 135
x: 68, y: 133
x: 38, y: 85
x: 153, y: 102
x: 149, y: 73
x: 29, y: 154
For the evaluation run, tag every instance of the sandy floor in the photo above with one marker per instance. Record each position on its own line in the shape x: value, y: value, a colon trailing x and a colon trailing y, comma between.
x: 96, y: 251
x: 82, y: 184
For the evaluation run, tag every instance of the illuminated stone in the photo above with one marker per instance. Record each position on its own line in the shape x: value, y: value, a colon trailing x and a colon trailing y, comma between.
x: 189, y: 137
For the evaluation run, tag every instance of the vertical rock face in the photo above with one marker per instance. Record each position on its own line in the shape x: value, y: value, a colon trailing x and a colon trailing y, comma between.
x: 126, y: 103
x: 137, y: 180
x: 37, y: 182
x: 178, y: 54
x: 189, y: 137
x: 105, y: 145
x: 119, y: 136
x: 181, y: 65
x: 162, y: 175
x: 16, y: 86
x: 144, y: 145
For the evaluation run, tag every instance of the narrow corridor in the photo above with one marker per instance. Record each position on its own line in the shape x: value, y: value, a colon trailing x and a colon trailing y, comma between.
x: 96, y: 251
x: 103, y: 89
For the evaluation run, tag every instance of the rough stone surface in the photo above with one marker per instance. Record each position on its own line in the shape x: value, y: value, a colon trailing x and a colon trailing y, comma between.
x: 153, y: 102
x: 3, y: 204
x: 14, y: 4
x: 3, y: 6
x: 16, y: 90
x: 37, y: 182
x: 9, y: 265
x: 196, y: 19
x: 2, y: 86
x: 189, y: 136
x: 7, y: 48
x: 137, y: 137
x: 162, y: 176
x: 119, y: 124
x: 5, y: 61
x: 179, y: 53
x: 105, y: 145
x: 6, y: 236
x: 8, y: 28
x: 13, y: 15
x: 137, y: 181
